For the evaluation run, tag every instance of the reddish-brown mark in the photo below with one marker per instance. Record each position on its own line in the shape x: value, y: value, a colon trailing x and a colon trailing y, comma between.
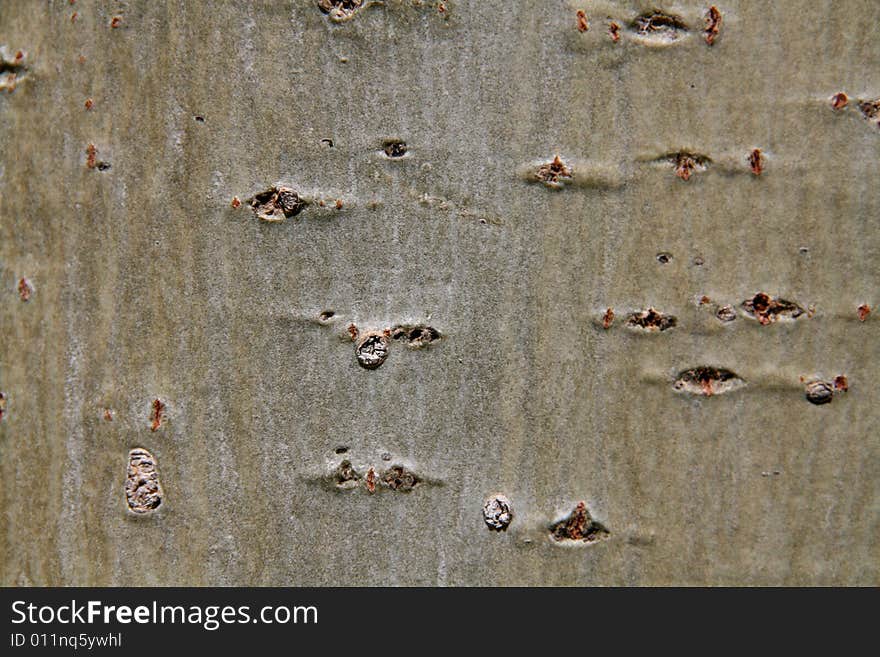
x: 116, y: 22
x: 839, y: 101
x: 73, y: 17
x: 236, y: 202
x: 25, y: 289
x: 339, y: 204
x: 371, y: 480
x: 841, y: 384
x: 684, y: 167
x: 353, y: 331
x: 756, y: 161
x: 91, y: 156
x: 108, y: 415
x: 614, y: 31
x: 553, y: 173
x: 608, y: 319
x: 582, y: 23
x: 89, y: 103
x: 713, y: 24
x: 864, y: 310
x: 157, y: 415
x: 2, y: 405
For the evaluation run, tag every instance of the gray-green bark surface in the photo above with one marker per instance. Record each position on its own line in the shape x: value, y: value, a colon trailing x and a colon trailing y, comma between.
x: 148, y: 284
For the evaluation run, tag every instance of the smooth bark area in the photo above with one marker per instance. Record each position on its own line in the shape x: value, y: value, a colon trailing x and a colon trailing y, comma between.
x: 144, y: 283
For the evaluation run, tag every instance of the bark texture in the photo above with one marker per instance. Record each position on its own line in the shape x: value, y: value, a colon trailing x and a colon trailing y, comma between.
x: 144, y: 283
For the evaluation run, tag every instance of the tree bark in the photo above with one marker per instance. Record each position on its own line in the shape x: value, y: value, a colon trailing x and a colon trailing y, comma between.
x: 419, y: 140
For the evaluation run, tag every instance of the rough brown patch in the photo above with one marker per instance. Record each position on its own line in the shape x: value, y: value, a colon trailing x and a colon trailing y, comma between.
x: 658, y: 23
x: 89, y: 103
x: 340, y: 10
x: 157, y: 414
x: 415, y: 336
x: 578, y: 526
x: 115, y: 22
x: 345, y: 476
x: 713, y: 24
x: 399, y: 478
x: 25, y: 289
x: 767, y: 310
x: 236, y: 202
x: 582, y: 23
x: 608, y: 319
x: 554, y: 174
x: 864, y: 310
x: 841, y: 383
x: 371, y: 480
x: 707, y: 381
x: 142, y: 488
x: 756, y: 161
x: 614, y: 31
x: 91, y: 156
x: 394, y: 148
x: 277, y: 204
x: 2, y: 405
x: 108, y: 415
x: 651, y: 320
x: 726, y: 313
x: 687, y: 163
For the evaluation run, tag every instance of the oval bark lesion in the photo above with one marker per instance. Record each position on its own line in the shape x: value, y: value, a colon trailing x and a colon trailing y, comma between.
x: 143, y: 491
x: 707, y: 381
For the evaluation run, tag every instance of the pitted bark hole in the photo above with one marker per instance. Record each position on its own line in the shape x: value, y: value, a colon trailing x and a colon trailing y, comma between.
x: 415, y: 336
x: 372, y: 350
x: 12, y: 70
x: 326, y: 316
x: 687, y: 164
x: 713, y: 24
x: 651, y: 320
x: 839, y: 101
x: 664, y: 258
x: 870, y: 109
x: 819, y: 392
x: 725, y: 313
x: 340, y: 10
x: 554, y: 174
x: 341, y: 450
x: 345, y: 476
x: 768, y: 310
x: 707, y: 381
x: 397, y: 477
x: 659, y: 26
x: 578, y: 526
x: 25, y: 289
x: 277, y: 204
x: 497, y: 512
x: 394, y: 148
x: 157, y: 414
x: 142, y: 488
